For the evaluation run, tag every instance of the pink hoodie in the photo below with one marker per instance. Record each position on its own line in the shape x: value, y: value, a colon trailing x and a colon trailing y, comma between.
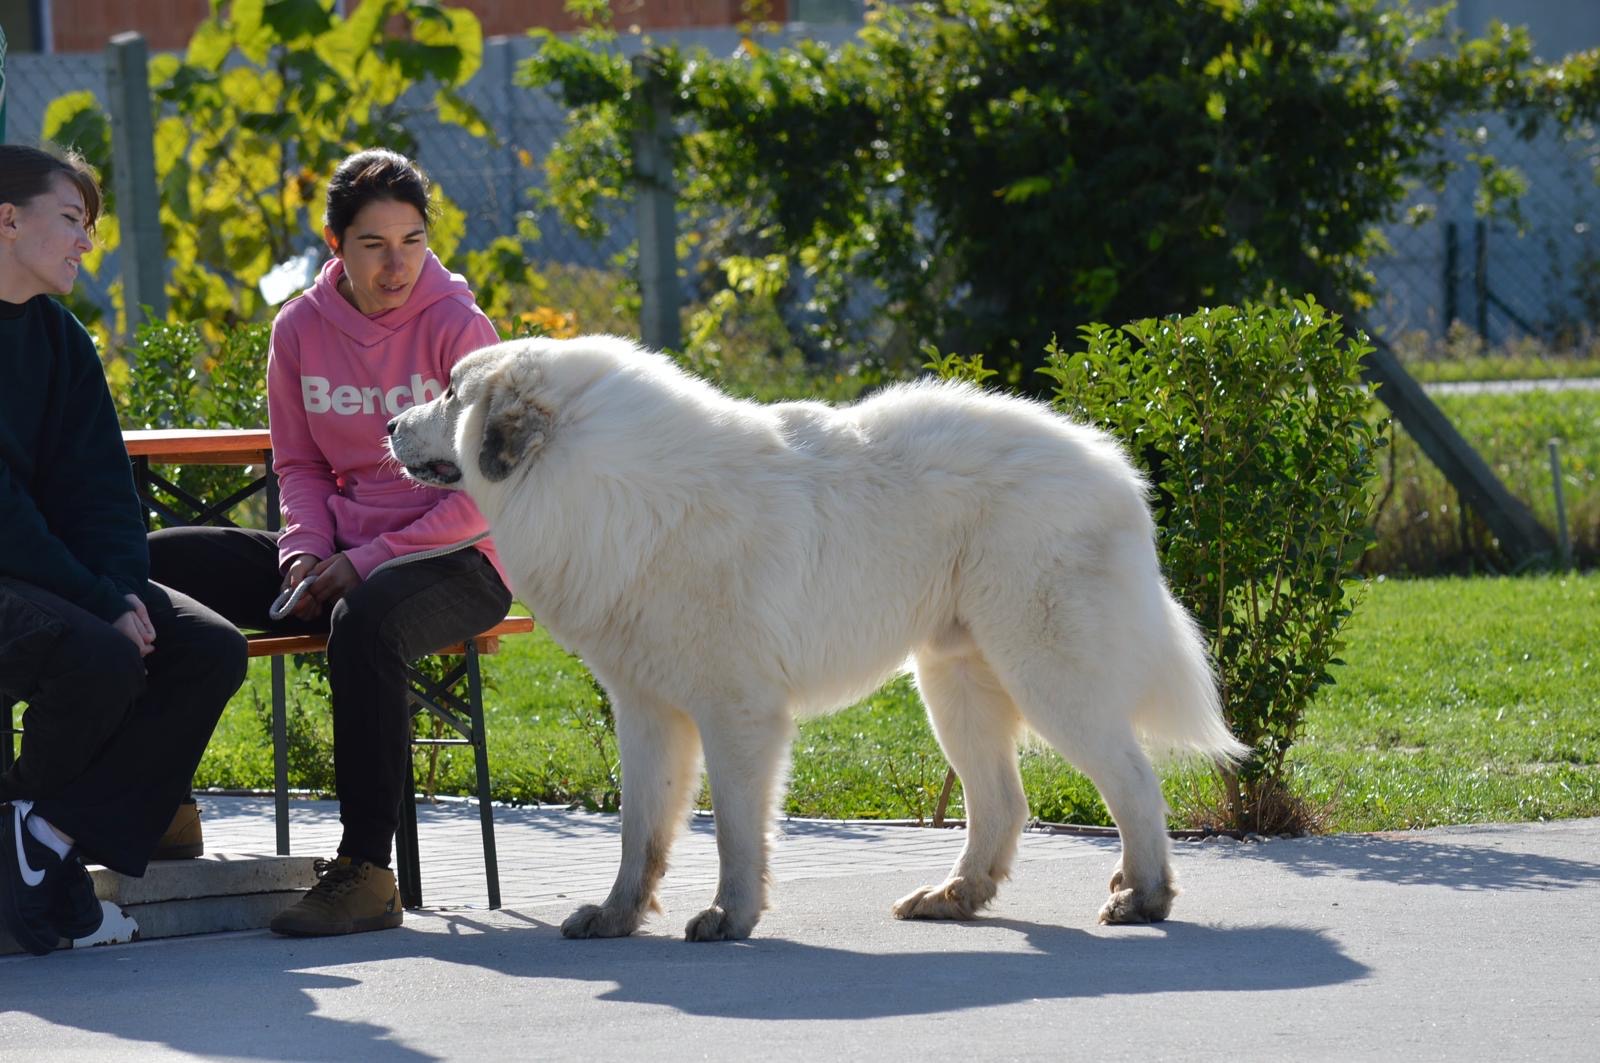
x: 335, y: 378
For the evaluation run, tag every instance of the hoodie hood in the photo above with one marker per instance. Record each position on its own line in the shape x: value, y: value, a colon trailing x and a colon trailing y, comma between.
x: 434, y: 283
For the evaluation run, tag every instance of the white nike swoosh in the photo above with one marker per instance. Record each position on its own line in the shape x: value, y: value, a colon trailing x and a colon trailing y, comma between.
x: 30, y: 877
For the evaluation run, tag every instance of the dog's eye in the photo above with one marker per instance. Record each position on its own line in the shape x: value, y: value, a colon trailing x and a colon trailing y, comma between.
x: 450, y: 392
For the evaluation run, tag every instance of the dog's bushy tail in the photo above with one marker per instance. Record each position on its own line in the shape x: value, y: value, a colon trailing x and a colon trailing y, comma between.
x: 1181, y: 712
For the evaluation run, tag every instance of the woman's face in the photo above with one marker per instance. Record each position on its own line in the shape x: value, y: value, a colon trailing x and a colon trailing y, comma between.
x: 46, y: 239
x: 383, y: 252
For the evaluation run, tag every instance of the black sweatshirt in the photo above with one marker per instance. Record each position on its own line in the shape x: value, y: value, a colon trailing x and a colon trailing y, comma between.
x: 70, y: 520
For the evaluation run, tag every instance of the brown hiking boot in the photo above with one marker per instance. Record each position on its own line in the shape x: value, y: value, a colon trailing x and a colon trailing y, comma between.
x: 347, y: 899
x: 182, y: 840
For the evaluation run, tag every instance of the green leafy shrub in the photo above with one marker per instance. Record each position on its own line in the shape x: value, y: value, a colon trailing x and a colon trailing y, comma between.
x: 174, y: 376
x: 1254, y: 428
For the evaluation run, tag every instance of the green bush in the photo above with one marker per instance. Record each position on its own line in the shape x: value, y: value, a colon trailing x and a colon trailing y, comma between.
x: 1253, y: 426
x: 173, y: 376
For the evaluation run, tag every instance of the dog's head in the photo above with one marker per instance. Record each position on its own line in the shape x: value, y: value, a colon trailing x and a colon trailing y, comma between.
x: 489, y: 421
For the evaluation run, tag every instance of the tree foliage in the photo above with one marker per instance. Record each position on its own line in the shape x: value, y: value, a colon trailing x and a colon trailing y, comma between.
x: 999, y: 171
x: 252, y: 119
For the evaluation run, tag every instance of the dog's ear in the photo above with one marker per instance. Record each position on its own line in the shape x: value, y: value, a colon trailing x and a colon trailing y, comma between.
x: 514, y: 426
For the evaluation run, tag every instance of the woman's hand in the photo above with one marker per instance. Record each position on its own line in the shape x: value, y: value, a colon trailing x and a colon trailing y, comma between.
x: 299, y: 568
x: 336, y: 577
x: 136, y: 625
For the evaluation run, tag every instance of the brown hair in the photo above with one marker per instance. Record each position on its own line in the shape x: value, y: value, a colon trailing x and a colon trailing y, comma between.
x: 370, y: 175
x: 25, y: 175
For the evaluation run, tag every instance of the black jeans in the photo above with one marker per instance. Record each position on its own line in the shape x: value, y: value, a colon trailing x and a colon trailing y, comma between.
x: 398, y: 614
x: 110, y: 740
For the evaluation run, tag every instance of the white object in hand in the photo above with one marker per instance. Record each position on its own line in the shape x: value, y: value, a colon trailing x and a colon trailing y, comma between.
x: 290, y: 597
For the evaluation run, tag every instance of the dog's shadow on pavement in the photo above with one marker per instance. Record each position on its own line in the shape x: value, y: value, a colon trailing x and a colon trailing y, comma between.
x: 259, y: 997
x: 774, y: 978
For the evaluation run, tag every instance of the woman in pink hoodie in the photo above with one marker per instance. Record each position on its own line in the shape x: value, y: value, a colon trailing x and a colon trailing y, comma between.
x: 390, y: 569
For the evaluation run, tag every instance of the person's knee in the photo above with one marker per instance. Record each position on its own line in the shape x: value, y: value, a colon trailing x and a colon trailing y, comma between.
x: 357, y: 634
x: 229, y: 652
x: 210, y: 655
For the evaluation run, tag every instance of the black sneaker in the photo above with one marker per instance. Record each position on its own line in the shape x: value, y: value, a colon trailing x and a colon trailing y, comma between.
x: 76, y: 910
x: 29, y: 881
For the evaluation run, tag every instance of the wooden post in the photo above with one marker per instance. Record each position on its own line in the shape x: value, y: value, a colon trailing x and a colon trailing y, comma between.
x: 1563, y: 540
x: 1521, y: 536
x: 660, y: 296
x: 134, y: 171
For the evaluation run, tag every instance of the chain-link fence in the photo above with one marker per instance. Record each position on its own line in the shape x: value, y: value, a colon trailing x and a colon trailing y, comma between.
x: 1503, y: 278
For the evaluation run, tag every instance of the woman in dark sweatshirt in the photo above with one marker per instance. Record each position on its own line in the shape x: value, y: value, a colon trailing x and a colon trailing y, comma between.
x: 123, y: 678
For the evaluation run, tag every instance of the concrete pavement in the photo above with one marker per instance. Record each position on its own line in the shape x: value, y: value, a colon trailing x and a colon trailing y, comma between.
x: 1464, y: 943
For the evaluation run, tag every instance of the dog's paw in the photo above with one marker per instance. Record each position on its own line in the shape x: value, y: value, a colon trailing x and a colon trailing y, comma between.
x: 717, y: 924
x: 956, y: 898
x: 593, y: 921
x: 1134, y: 906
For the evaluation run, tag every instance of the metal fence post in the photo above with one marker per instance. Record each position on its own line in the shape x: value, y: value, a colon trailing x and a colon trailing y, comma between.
x: 499, y: 71
x: 1452, y: 254
x: 1480, y: 277
x: 660, y: 295
x: 134, y: 171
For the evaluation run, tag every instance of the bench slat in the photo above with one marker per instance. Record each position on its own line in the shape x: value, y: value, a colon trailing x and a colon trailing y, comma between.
x: 269, y: 645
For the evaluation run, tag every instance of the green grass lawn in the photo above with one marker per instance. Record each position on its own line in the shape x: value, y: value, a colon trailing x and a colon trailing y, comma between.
x: 1462, y: 701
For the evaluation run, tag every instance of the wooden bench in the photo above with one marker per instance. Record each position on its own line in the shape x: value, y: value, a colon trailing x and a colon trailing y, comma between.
x: 464, y: 715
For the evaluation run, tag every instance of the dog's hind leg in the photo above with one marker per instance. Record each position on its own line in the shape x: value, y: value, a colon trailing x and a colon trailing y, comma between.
x: 660, y: 777
x: 1083, y: 712
x: 745, y: 761
x: 977, y: 725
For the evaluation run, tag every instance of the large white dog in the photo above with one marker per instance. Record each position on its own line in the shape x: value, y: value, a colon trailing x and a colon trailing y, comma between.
x: 724, y: 566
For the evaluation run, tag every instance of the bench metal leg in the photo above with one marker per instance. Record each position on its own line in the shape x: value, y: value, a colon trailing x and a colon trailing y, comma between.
x: 480, y: 759
x: 280, y: 756
x: 407, y: 866
x: 464, y: 716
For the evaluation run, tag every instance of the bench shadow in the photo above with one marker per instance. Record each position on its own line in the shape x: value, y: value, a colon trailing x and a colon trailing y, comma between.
x: 1399, y: 860
x: 254, y: 996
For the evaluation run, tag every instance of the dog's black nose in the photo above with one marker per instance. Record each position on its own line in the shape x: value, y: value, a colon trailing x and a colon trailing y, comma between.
x: 390, y: 426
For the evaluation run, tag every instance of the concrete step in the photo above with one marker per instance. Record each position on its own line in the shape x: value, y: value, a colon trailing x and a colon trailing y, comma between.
x: 216, y: 892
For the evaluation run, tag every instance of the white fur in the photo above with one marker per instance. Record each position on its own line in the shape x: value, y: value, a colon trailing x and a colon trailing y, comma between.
x: 724, y: 566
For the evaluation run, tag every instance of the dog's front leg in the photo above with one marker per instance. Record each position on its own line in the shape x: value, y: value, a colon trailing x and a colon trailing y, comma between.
x: 745, y: 758
x: 660, y: 776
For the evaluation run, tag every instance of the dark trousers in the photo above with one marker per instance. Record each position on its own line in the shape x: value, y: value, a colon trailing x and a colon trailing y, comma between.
x: 110, y: 740
x: 399, y: 614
